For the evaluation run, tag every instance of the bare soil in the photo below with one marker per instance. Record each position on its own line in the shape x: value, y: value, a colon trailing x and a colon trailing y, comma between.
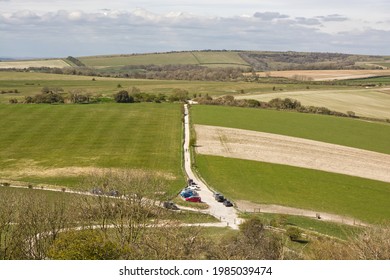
x: 274, y: 148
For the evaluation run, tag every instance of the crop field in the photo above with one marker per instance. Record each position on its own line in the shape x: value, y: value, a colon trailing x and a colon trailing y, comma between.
x: 336, y: 130
x: 59, y: 144
x: 280, y: 149
x: 193, y: 58
x: 325, y: 75
x: 21, y: 64
x: 268, y: 183
x: 271, y: 183
x: 372, y: 103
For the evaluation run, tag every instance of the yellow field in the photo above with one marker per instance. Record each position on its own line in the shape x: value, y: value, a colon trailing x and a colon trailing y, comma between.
x: 371, y: 103
x: 325, y: 75
x: 21, y: 64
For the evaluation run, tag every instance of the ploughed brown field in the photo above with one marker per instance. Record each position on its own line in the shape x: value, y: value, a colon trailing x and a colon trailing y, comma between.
x: 273, y: 148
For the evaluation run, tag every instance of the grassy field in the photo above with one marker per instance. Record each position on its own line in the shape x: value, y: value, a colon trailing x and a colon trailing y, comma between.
x: 336, y: 130
x: 57, y: 143
x: 32, y: 83
x: 297, y: 187
x: 308, y: 224
x: 21, y: 64
x: 370, y: 103
x: 194, y: 58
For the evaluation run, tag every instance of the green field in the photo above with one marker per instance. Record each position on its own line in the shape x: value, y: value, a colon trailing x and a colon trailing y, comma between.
x: 223, y: 59
x: 58, y: 142
x: 27, y: 83
x: 370, y: 103
x: 336, y: 130
x: 308, y: 224
x: 267, y: 183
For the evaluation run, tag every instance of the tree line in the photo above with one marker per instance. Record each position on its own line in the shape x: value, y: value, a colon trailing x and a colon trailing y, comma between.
x: 56, y: 95
x: 276, y: 103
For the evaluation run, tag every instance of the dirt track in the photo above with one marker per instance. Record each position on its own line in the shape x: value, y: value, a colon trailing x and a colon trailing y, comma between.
x: 273, y: 148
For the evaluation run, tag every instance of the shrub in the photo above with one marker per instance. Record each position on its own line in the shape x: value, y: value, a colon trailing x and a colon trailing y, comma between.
x: 294, y: 233
x: 123, y: 97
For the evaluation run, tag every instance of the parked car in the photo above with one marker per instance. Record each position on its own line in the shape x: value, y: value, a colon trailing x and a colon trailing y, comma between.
x: 170, y: 205
x: 187, y: 193
x: 227, y: 203
x: 189, y: 181
x: 220, y: 198
x: 193, y: 187
x: 113, y: 193
x: 194, y: 199
x: 215, y: 195
x: 97, y: 191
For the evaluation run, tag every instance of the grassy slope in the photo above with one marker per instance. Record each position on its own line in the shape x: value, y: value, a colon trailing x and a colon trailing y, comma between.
x: 195, y: 58
x: 136, y: 136
x: 336, y: 130
x: 297, y: 187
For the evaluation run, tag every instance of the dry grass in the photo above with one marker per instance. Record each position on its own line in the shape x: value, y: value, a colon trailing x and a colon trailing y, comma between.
x: 325, y: 75
x: 373, y: 103
x: 59, y: 63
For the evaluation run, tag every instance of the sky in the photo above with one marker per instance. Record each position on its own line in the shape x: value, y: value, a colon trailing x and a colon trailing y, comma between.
x: 59, y: 28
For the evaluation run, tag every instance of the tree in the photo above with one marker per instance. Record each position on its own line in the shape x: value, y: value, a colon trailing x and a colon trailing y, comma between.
x: 84, y: 245
x: 123, y: 97
x: 252, y: 242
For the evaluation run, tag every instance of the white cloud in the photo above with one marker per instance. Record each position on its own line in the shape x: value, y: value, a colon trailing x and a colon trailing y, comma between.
x: 110, y: 31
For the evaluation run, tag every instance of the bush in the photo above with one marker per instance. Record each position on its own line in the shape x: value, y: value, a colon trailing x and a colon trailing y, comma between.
x: 78, y: 98
x: 123, y: 97
x: 83, y: 245
x: 294, y: 233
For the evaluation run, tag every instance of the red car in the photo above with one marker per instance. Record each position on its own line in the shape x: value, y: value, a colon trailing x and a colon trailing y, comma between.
x: 193, y: 199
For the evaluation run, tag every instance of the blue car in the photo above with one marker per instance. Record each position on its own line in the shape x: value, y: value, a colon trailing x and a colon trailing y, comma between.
x: 188, y: 193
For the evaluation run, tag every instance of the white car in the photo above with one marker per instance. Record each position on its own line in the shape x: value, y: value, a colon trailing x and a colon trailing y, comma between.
x: 193, y: 187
